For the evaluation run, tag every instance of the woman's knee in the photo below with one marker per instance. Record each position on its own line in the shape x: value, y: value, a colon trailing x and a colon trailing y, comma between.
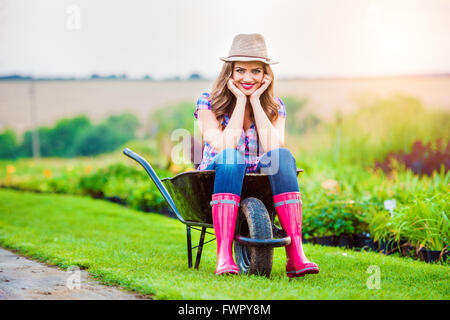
x: 283, y: 154
x: 276, y: 160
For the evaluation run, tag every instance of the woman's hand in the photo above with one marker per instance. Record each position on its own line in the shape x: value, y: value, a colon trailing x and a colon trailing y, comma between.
x: 264, y: 85
x: 235, y: 90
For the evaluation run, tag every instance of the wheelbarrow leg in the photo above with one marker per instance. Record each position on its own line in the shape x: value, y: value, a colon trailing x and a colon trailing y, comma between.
x: 200, y: 248
x: 189, y: 246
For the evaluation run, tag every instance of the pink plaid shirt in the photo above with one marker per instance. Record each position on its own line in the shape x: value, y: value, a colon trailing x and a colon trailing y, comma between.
x: 248, y: 143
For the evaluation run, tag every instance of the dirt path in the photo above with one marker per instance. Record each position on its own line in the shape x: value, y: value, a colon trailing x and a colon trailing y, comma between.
x: 22, y: 278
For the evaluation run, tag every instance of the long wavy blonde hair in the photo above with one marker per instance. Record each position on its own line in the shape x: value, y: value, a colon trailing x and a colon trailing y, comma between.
x: 223, y: 100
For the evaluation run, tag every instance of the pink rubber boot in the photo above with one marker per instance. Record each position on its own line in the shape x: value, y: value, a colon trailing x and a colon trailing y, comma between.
x: 288, y: 206
x: 224, y: 211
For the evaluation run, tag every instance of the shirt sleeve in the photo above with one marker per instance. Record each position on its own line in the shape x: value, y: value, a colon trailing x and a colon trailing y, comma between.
x: 203, y: 103
x: 282, y: 109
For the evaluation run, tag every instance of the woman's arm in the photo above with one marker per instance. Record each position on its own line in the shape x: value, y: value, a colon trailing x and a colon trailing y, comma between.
x: 270, y: 135
x: 223, y: 139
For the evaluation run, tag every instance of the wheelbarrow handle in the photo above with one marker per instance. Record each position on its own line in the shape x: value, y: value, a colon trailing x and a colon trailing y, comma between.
x: 156, y: 180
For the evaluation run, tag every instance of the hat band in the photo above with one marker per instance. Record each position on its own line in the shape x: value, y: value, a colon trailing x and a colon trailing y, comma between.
x: 247, y: 56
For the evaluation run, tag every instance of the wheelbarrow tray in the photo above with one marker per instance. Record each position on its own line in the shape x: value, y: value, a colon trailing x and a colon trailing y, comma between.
x: 191, y: 192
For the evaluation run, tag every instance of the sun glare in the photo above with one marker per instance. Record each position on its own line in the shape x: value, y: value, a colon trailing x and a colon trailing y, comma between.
x: 393, y: 39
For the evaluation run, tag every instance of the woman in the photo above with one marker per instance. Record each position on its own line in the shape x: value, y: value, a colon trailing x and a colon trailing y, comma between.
x: 243, y: 128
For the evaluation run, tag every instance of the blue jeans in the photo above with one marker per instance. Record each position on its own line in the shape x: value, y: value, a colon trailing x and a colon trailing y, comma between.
x: 278, y: 164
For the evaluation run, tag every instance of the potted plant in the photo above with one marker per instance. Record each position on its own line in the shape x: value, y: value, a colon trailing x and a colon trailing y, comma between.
x: 380, y: 227
x: 333, y: 222
x: 423, y: 223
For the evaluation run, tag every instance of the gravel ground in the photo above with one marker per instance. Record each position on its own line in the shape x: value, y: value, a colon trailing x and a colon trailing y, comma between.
x: 25, y: 279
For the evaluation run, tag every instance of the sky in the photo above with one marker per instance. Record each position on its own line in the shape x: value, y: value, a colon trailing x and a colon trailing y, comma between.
x: 323, y: 38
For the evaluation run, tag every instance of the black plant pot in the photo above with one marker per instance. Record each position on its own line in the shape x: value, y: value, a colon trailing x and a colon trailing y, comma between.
x: 364, y: 242
x: 361, y: 241
x: 371, y: 245
x: 387, y: 246
x: 327, y: 241
x: 431, y: 256
x: 116, y: 199
x: 406, y: 249
x: 345, y: 241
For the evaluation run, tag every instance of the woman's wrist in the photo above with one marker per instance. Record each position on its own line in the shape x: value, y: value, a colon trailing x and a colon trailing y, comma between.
x: 254, y: 100
x: 241, y: 100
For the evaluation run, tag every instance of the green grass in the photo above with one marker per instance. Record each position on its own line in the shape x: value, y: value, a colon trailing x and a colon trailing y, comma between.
x: 147, y: 253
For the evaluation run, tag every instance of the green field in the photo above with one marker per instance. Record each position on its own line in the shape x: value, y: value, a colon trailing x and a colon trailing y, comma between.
x: 147, y: 253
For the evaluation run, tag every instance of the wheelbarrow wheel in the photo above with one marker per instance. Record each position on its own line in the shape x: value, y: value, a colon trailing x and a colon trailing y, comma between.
x: 254, y: 222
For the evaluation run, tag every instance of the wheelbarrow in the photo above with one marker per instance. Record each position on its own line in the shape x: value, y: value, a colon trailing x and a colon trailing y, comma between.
x: 188, y: 195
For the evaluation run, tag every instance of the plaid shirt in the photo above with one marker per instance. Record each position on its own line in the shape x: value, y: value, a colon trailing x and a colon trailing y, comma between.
x: 248, y: 144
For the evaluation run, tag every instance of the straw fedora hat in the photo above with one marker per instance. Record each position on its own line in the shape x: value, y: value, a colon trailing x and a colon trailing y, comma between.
x: 248, y: 47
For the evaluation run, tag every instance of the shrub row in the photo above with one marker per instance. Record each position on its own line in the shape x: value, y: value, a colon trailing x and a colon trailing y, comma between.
x: 418, y: 228
x: 72, y: 137
x: 121, y: 183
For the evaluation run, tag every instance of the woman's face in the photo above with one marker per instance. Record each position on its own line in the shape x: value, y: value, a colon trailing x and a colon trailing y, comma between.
x: 248, y: 76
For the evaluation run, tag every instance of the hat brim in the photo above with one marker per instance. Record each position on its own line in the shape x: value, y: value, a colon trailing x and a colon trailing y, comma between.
x: 231, y: 59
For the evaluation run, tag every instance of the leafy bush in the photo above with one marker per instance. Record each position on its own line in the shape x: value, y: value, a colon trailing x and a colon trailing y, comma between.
x: 93, y: 184
x: 146, y: 197
x: 78, y: 137
x: 64, y: 134
x: 106, y: 136
x: 65, y: 183
x: 423, y: 159
x: 8, y: 144
x: 128, y: 184
x: 57, y: 141
x: 423, y: 222
x: 334, y: 217
x: 96, y: 140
